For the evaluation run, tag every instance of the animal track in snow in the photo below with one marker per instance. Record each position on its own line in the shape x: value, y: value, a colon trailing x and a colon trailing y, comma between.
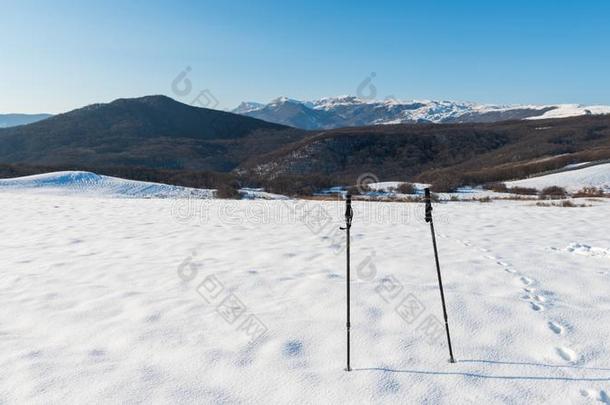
x: 526, y: 280
x: 556, y: 328
x: 587, y: 250
x: 534, y: 298
x: 604, y: 398
x: 566, y: 354
x: 293, y: 348
x: 536, y: 301
x: 506, y: 266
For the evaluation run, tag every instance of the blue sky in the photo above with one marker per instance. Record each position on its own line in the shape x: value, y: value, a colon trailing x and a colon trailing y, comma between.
x: 59, y: 55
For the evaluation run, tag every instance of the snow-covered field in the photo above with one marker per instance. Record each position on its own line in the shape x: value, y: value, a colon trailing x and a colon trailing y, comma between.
x: 107, y: 300
x: 79, y: 183
x: 572, y: 180
x: 388, y: 188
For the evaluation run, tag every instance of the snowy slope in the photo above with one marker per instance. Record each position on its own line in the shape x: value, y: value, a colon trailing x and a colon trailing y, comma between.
x: 573, y: 110
x: 87, y: 183
x: 102, y: 302
x: 95, y: 185
x: 571, y: 180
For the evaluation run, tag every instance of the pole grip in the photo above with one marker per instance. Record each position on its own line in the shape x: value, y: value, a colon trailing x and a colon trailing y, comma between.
x: 428, y: 200
x: 349, y: 213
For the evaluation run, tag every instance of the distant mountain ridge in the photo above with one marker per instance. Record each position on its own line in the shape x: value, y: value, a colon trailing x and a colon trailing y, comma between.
x: 13, y: 120
x: 152, y: 131
x: 350, y: 111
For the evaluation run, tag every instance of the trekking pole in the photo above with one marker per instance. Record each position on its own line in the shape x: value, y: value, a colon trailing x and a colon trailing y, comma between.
x: 428, y: 201
x: 349, y: 214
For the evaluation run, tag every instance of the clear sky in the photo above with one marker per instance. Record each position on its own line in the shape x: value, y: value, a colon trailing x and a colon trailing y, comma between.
x: 59, y: 55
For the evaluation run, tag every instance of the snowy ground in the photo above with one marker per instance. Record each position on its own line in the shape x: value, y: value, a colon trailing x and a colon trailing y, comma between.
x: 572, y: 180
x: 104, y: 300
x: 387, y: 190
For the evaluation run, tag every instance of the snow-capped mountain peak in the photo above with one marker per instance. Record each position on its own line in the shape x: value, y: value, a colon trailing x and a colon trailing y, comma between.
x: 247, y: 106
x: 346, y: 110
x: 283, y: 100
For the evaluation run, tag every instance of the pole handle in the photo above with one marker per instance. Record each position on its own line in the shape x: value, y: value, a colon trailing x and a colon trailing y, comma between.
x: 428, y: 200
x: 349, y: 213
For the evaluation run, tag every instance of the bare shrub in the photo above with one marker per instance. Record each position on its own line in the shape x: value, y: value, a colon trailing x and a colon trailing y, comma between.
x: 293, y: 185
x: 563, y: 204
x: 523, y: 190
x: 553, y: 192
x: 589, y: 192
x: 228, y: 191
x: 406, y: 188
x: 445, y: 185
x: 497, y: 187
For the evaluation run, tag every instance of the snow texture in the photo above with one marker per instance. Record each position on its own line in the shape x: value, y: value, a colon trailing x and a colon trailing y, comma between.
x: 124, y: 300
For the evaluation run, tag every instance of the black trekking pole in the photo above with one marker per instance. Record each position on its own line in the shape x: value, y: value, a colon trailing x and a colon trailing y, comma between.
x: 438, y: 268
x: 349, y: 214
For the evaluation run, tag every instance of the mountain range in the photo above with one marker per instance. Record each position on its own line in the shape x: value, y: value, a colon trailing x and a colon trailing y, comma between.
x: 350, y: 111
x: 156, y: 138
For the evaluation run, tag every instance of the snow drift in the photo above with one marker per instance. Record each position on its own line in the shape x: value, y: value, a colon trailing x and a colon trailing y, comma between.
x: 87, y: 183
